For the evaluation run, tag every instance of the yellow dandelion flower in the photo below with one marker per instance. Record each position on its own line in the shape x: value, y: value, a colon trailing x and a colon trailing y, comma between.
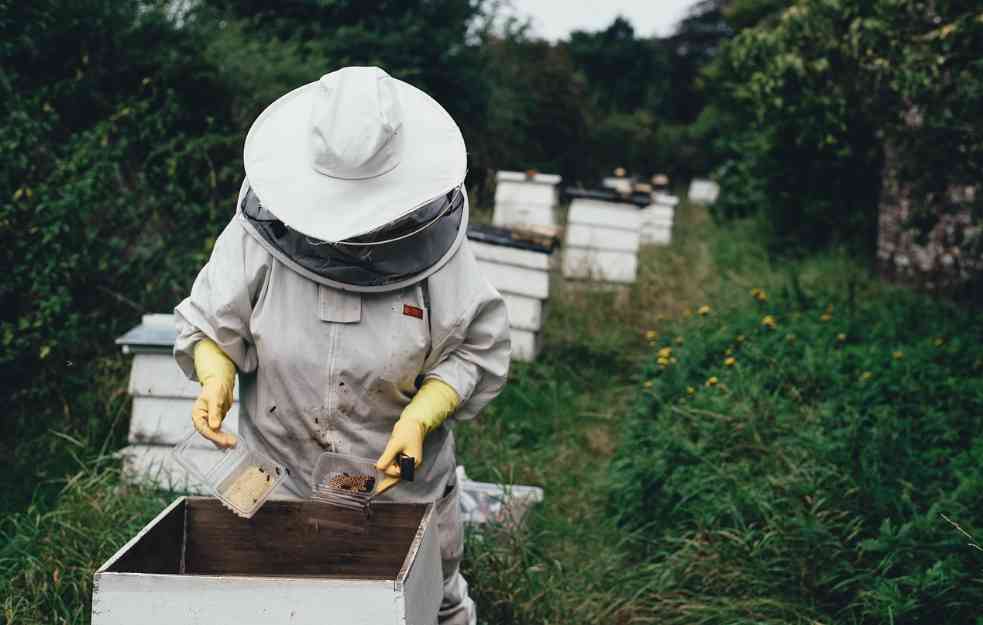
x: 730, y: 361
x: 665, y: 352
x: 841, y: 338
x: 690, y: 390
x: 679, y: 340
x: 790, y: 338
x: 825, y: 316
x: 651, y: 335
x: 648, y: 384
x: 704, y: 310
x: 865, y: 376
x: 769, y: 322
x: 712, y: 381
x: 739, y: 338
x: 898, y: 355
x: 759, y: 294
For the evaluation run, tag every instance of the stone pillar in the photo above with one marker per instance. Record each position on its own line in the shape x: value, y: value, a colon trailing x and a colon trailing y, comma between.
x: 941, y: 260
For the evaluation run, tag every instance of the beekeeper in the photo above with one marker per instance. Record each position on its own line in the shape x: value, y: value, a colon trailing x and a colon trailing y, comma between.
x: 345, y: 295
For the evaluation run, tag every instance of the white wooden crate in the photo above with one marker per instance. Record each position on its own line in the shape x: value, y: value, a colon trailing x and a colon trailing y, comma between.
x: 593, y: 237
x: 166, y: 420
x: 509, y: 214
x: 522, y: 277
x: 298, y: 563
x: 526, y: 345
x: 525, y: 313
x: 156, y: 374
x: 703, y: 191
x: 605, y: 214
x: 522, y: 200
x: 657, y: 220
x: 518, y: 280
x: 656, y: 235
x: 504, y: 255
x: 600, y: 265
x: 602, y: 241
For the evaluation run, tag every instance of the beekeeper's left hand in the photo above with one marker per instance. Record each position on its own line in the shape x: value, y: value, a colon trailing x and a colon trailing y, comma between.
x: 433, y: 403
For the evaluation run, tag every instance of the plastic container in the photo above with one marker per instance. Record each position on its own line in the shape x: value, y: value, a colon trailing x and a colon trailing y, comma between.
x: 343, y: 480
x: 234, y: 476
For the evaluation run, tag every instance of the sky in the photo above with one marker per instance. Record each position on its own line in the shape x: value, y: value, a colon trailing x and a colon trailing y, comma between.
x: 554, y: 19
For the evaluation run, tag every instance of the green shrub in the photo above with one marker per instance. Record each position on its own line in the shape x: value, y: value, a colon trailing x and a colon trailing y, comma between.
x: 813, y: 95
x: 810, y: 474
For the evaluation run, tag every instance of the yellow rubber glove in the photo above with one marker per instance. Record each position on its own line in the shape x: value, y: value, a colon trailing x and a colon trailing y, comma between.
x: 433, y: 403
x: 217, y: 374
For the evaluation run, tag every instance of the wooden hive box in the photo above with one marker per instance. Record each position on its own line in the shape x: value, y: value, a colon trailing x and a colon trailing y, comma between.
x: 301, y: 563
x: 602, y: 240
x: 657, y: 220
x: 520, y: 271
x: 524, y: 200
x: 703, y: 191
x: 162, y: 401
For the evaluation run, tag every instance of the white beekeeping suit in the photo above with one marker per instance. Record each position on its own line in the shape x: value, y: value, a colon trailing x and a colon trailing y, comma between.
x: 333, y: 340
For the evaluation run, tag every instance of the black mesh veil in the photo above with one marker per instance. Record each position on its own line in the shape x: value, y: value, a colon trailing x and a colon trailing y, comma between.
x: 394, y: 253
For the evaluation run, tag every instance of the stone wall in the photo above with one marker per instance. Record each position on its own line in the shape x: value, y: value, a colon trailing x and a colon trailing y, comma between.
x: 943, y: 260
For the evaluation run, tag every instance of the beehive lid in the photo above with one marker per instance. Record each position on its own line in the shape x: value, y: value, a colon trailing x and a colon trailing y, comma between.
x: 521, y: 176
x: 640, y: 200
x: 156, y: 332
x: 517, y: 238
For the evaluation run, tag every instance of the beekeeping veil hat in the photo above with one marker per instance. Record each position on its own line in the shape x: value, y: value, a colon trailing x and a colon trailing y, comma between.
x: 356, y: 180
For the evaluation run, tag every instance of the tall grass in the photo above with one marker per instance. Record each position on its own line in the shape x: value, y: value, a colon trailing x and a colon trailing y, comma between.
x: 48, y: 556
x: 794, y: 458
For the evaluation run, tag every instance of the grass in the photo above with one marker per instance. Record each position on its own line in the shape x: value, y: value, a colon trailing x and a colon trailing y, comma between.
x: 559, y: 423
x: 49, y: 555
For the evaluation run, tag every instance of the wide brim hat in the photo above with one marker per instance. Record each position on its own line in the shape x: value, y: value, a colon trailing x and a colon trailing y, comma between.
x: 352, y: 152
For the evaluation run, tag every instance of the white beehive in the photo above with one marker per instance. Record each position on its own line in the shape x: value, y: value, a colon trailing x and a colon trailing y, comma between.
x: 520, y: 272
x: 293, y: 562
x: 162, y: 402
x: 525, y: 200
x: 703, y: 191
x: 602, y: 240
x: 657, y: 219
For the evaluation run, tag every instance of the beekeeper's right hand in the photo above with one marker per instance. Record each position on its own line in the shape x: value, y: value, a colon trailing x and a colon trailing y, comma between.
x: 217, y: 374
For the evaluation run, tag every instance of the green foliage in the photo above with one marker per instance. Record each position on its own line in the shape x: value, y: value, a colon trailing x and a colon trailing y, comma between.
x: 813, y: 470
x: 813, y: 95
